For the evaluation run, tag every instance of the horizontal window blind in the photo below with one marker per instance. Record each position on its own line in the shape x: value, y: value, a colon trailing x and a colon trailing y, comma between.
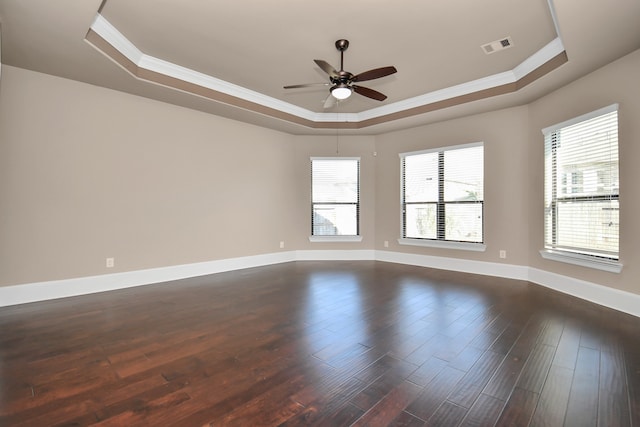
x: 443, y: 194
x: 582, y: 185
x: 335, y: 195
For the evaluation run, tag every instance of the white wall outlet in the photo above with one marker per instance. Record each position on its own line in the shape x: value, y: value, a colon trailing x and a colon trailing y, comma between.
x: 503, y: 253
x: 110, y: 262
x: 386, y: 243
x: 282, y: 245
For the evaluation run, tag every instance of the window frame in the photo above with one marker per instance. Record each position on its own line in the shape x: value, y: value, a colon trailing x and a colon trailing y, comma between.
x: 439, y: 241
x: 335, y: 238
x: 576, y: 256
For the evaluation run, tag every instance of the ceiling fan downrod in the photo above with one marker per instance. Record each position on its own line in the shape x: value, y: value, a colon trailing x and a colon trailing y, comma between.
x: 342, y: 45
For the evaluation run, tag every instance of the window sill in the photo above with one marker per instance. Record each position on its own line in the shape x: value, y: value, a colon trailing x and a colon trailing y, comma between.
x: 334, y: 239
x: 582, y: 260
x: 464, y: 246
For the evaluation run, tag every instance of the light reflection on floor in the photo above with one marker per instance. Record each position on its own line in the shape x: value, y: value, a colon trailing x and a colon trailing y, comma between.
x: 339, y: 324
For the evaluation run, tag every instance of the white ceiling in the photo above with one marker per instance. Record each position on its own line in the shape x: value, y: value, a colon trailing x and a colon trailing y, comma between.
x: 249, y: 50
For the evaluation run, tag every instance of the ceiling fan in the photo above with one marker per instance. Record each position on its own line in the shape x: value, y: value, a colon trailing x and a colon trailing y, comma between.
x: 342, y: 82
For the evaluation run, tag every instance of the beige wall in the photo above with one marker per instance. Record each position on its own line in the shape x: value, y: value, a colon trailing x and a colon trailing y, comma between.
x: 335, y: 146
x: 506, y: 213
x: 514, y: 168
x: 615, y: 83
x: 88, y: 173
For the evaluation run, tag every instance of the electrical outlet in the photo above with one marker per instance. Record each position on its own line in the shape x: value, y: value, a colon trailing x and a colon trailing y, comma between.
x: 282, y: 245
x: 110, y: 262
x: 503, y: 253
x: 386, y: 243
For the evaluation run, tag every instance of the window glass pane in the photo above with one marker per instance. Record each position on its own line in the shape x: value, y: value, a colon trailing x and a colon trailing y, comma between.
x: 587, y: 158
x: 464, y: 174
x: 421, y: 178
x: 335, y: 180
x: 421, y: 221
x: 443, y: 192
x: 335, y: 220
x: 463, y: 222
x: 591, y: 225
x: 582, y: 185
x: 335, y: 196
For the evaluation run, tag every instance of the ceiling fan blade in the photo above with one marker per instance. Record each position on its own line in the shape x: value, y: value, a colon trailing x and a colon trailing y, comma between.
x: 369, y: 93
x: 305, y: 85
x: 374, y: 74
x: 330, y: 101
x: 326, y: 67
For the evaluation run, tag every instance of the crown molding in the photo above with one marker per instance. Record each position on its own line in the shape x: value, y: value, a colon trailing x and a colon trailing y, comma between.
x: 159, y: 71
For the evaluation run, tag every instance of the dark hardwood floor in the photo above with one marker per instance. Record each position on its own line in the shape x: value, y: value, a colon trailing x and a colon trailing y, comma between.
x: 321, y: 343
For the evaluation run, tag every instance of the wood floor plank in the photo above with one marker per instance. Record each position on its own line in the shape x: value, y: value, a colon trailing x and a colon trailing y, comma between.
x: 552, y: 405
x: 567, y: 350
x: 427, y: 350
x: 534, y: 373
x: 503, y: 381
x: 325, y: 344
x: 519, y: 409
x: 552, y: 331
x: 582, y: 409
x: 506, y: 337
x: 632, y: 364
x: 428, y: 371
x: 448, y: 414
x: 405, y: 419
x: 326, y: 405
x: 383, y: 365
x: 262, y: 410
x: 469, y: 388
x: 383, y: 385
x: 435, y: 393
x: 145, y: 411
x: 390, y: 406
x: 484, y: 412
x: 613, y: 403
x: 345, y: 416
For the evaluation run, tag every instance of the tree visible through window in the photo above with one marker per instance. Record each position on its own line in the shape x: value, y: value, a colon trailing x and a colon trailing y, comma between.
x: 443, y: 194
x: 582, y: 185
x: 335, y: 195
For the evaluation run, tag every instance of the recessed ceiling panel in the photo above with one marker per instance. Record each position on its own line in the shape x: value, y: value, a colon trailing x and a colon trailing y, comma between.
x: 264, y: 46
x: 259, y: 47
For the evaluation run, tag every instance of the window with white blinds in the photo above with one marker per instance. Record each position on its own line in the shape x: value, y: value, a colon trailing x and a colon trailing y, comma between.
x: 582, y: 185
x: 335, y: 195
x: 443, y: 194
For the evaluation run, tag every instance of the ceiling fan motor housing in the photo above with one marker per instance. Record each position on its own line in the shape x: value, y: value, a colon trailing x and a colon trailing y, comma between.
x: 343, y: 77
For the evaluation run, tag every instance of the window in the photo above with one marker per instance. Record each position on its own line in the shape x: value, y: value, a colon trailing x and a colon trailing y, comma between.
x: 581, y: 219
x: 335, y: 196
x: 442, y: 196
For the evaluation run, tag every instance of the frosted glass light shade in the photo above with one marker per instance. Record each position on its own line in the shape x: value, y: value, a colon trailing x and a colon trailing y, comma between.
x: 341, y: 92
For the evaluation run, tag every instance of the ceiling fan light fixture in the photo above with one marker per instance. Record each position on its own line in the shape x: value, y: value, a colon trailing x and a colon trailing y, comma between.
x: 342, y: 81
x: 341, y: 91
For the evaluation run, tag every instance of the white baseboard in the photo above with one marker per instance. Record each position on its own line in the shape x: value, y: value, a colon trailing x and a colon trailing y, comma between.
x: 41, y: 291
x: 616, y: 299
x: 625, y: 302
x: 484, y: 268
x: 336, y: 255
x: 613, y: 298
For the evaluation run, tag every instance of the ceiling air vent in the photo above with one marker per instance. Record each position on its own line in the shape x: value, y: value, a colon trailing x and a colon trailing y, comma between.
x: 497, y: 45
